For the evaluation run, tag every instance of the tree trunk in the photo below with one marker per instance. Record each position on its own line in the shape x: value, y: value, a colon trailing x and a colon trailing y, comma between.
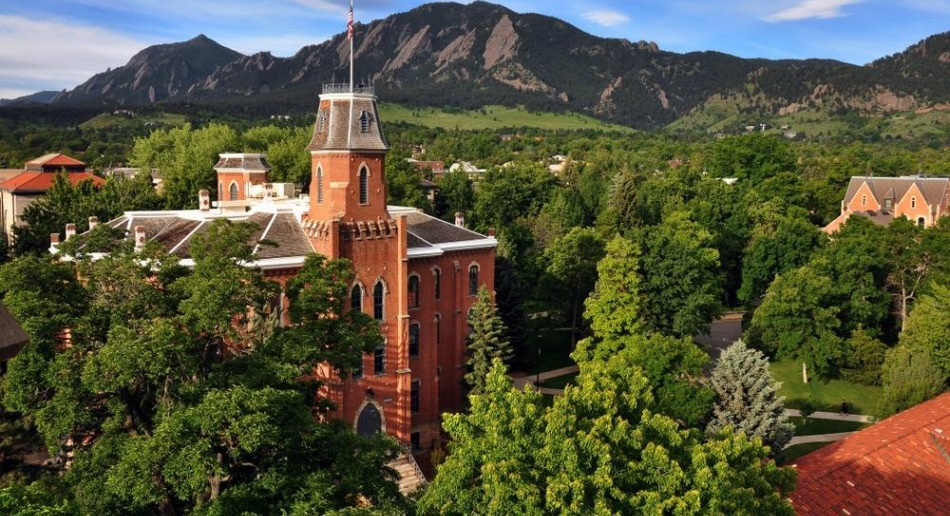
x: 215, y: 481
x: 903, y: 307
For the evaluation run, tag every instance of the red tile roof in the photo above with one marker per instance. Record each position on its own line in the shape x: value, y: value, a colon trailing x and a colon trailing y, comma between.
x: 55, y: 159
x: 37, y: 182
x: 898, y: 466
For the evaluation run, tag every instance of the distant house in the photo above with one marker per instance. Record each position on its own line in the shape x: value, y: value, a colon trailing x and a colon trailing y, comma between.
x: 923, y: 200
x: 19, y: 190
x: 436, y: 167
x: 12, y: 337
x: 471, y: 170
x: 898, y: 466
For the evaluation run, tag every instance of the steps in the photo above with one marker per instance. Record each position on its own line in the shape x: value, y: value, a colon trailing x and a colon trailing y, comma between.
x: 410, y: 477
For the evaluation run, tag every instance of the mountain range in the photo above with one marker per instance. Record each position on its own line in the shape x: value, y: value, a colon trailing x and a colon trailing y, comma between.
x: 468, y: 56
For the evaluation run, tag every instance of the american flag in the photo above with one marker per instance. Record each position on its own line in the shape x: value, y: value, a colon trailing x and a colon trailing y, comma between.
x: 349, y: 23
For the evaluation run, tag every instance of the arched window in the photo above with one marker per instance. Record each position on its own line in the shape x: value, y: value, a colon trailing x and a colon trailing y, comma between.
x: 320, y: 185
x: 364, y: 185
x: 233, y: 192
x: 864, y: 200
x: 414, y: 396
x: 913, y: 202
x: 356, y: 298
x: 414, y: 339
x: 437, y: 282
x: 413, y: 291
x: 378, y: 301
x: 921, y: 222
x: 473, y: 280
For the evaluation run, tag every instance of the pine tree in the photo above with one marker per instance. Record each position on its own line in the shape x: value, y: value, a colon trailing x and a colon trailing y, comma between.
x: 486, y: 341
x: 747, y: 398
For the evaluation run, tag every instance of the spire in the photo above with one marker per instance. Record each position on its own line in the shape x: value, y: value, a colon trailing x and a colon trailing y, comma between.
x: 349, y: 36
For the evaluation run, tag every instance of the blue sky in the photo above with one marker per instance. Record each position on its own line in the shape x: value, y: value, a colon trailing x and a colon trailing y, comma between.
x: 56, y: 44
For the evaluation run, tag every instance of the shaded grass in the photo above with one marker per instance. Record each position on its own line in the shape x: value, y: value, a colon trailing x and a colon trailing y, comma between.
x: 107, y: 120
x: 827, y: 394
x: 793, y: 452
x: 815, y: 426
x: 559, y: 382
x: 493, y: 117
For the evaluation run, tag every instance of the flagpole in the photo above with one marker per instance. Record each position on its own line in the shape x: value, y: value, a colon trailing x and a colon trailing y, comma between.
x: 349, y: 35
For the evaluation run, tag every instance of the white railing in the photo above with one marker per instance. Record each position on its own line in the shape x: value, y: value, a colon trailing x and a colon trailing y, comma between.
x: 344, y: 87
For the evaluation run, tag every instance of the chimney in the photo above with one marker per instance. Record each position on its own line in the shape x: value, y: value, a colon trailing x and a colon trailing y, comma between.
x: 139, y: 238
x: 204, y: 200
x: 70, y: 230
x: 93, y: 222
x: 54, y: 239
x: 460, y: 219
x: 491, y: 232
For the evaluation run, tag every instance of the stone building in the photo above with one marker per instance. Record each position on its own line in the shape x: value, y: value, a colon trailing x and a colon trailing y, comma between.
x: 922, y: 200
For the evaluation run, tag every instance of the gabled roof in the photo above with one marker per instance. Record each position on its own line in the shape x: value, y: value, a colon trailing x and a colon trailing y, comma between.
x: 898, y: 466
x: 933, y: 188
x: 39, y: 182
x: 12, y: 336
x: 55, y: 159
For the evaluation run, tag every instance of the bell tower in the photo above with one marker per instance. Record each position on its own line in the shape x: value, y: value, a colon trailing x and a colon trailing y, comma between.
x: 347, y: 153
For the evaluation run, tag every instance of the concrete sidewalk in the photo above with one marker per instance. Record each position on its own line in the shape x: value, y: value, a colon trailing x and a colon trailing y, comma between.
x: 857, y: 418
x: 522, y: 381
x: 821, y: 438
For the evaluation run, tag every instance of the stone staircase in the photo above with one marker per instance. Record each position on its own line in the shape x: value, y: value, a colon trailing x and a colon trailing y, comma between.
x: 410, y: 476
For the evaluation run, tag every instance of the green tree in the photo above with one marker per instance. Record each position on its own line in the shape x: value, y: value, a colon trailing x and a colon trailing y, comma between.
x: 910, y: 377
x: 865, y: 357
x: 797, y: 319
x: 572, y: 270
x: 773, y: 250
x: 493, y: 464
x: 747, y: 398
x: 751, y: 157
x: 486, y: 342
x: 176, y: 395
x: 507, y: 194
x: 681, y: 283
x: 928, y: 327
x: 614, y: 308
x: 456, y: 194
x: 403, y: 185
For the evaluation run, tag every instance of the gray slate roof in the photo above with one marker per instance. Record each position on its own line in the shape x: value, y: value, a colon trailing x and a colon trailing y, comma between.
x: 333, y: 120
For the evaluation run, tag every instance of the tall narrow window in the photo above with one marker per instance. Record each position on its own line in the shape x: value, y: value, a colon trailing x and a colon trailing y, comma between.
x: 378, y: 301
x: 320, y: 185
x: 364, y: 185
x: 473, y: 280
x: 414, y: 340
x: 233, y: 192
x: 864, y: 200
x: 413, y: 291
x: 921, y: 222
x: 437, y: 282
x: 438, y: 329
x: 356, y: 298
x: 913, y: 202
x: 379, y: 359
x: 414, y: 396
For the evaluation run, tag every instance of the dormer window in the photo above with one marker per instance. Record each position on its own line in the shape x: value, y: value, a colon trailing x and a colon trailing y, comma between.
x: 888, y: 204
x: 364, y: 122
x: 321, y: 120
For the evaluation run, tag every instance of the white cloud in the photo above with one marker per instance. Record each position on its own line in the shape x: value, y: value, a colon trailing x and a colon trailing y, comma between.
x: 55, y: 55
x: 811, y: 9
x: 606, y: 18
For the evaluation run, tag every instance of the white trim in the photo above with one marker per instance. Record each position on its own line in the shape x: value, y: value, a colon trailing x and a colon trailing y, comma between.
x: 257, y: 247
x: 183, y: 240
x: 484, y: 243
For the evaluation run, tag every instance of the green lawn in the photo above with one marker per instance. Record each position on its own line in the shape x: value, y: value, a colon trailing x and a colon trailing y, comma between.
x: 492, y: 117
x: 824, y: 426
x: 107, y: 120
x: 793, y: 452
x: 559, y: 382
x: 827, y: 394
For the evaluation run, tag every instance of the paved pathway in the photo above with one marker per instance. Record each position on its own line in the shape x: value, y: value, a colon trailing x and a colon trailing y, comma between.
x: 858, y: 418
x: 521, y: 382
x: 822, y: 438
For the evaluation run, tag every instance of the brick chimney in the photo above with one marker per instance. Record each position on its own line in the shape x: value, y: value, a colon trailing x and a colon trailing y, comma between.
x: 139, y: 238
x: 54, y: 239
x: 70, y: 230
x: 460, y: 219
x: 204, y: 200
x: 93, y: 222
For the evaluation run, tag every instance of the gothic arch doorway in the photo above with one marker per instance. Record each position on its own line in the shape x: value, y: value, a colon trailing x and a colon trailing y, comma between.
x: 369, y: 422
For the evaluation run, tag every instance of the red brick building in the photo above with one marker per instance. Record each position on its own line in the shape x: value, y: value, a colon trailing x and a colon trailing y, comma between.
x: 922, y: 200
x: 898, y: 466
x: 416, y: 274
